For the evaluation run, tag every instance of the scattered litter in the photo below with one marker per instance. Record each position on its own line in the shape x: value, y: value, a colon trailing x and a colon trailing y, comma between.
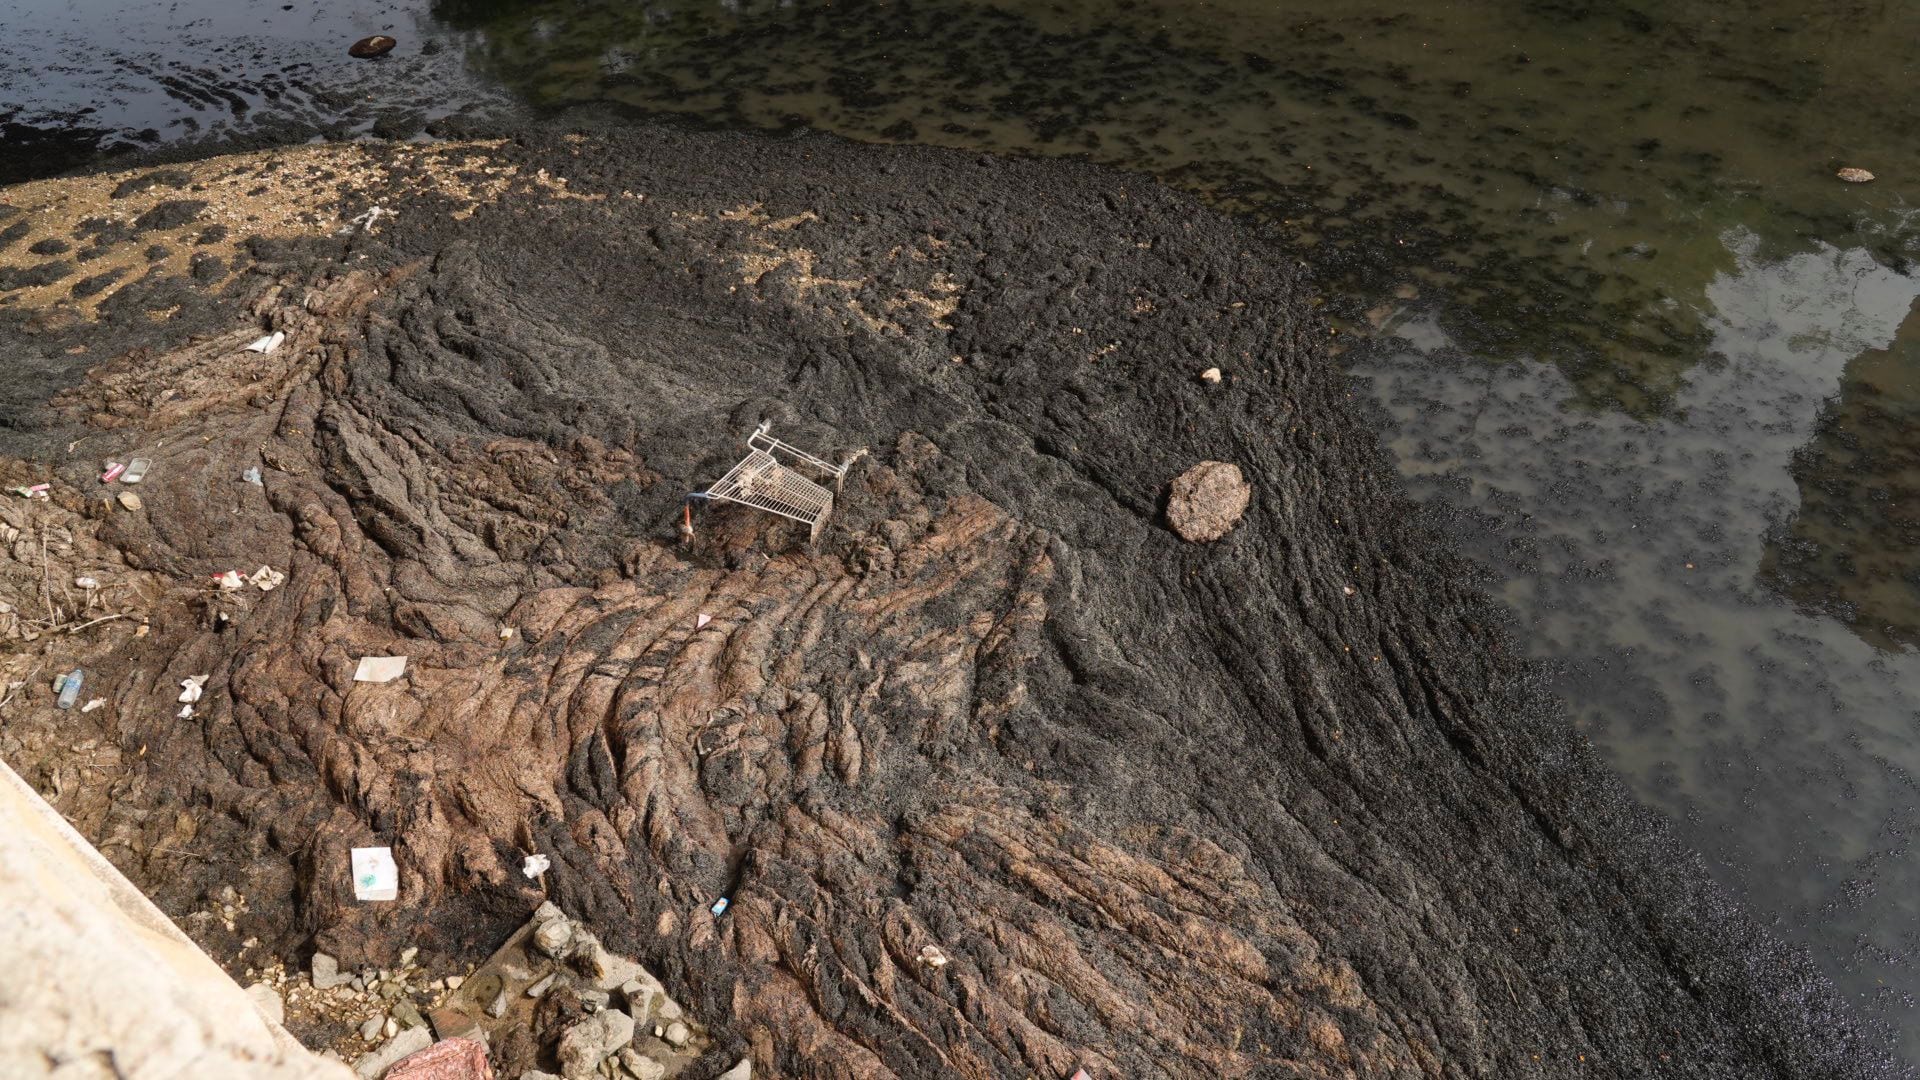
x: 365, y: 220
x: 191, y: 688
x: 506, y: 632
x: 686, y: 522
x: 267, y: 344
x: 267, y: 579
x: 136, y: 471
x: 70, y: 688
x: 380, y: 669
x: 86, y: 583
x: 252, y: 476
x: 931, y: 956
x: 720, y: 906
x: 1211, y: 375
x: 230, y: 581
x: 92, y: 705
x: 34, y: 491
x: 375, y: 877
x: 129, y: 500
x: 1854, y: 176
x: 701, y: 622
x: 534, y: 865
x: 114, y: 469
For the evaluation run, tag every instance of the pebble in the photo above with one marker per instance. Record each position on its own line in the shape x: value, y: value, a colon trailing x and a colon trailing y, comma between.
x: 497, y: 1008
x: 407, y: 955
x: 669, y: 1009
x: 370, y: 1030
x: 640, y: 1066
x: 552, y: 937
x: 540, y: 987
x: 129, y: 500
x: 1211, y: 375
x: 677, y: 1035
x: 391, y: 1027
x: 1207, y: 501
x: 326, y: 972
x: 1854, y: 176
x: 454, y: 981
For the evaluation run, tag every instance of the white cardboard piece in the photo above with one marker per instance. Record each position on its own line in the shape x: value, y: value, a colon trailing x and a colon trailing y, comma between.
x: 375, y: 877
x: 535, y: 865
x: 267, y: 344
x: 702, y: 621
x: 379, y: 669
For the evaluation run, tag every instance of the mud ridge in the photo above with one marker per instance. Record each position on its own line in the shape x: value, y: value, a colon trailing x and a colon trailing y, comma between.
x: 1284, y: 804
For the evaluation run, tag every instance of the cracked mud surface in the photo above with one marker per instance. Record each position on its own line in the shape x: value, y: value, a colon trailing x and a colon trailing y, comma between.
x: 1286, y: 804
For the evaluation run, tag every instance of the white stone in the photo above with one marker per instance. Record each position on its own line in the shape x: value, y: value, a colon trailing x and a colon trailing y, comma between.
x: 267, y: 1000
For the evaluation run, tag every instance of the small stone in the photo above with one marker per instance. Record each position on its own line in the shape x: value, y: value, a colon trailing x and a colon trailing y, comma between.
x: 1854, y: 176
x: 1207, y: 501
x: 592, y: 1040
x: 540, y: 987
x: 676, y: 1035
x: 391, y: 1027
x: 326, y: 972
x: 268, y: 1002
x: 407, y: 955
x: 553, y: 936
x: 408, y: 1015
x: 498, y: 1007
x: 1211, y: 375
x: 669, y: 1009
x: 375, y: 1063
x: 454, y: 982
x: 931, y: 956
x: 370, y: 47
x: 742, y: 1070
x: 594, y: 1000
x: 370, y: 1030
x: 360, y: 984
x: 640, y: 1066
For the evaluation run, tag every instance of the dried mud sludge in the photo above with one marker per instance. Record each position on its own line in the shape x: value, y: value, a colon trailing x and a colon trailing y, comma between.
x: 1282, y: 806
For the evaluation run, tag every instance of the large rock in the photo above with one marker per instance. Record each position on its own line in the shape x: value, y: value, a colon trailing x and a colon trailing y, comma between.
x: 448, y: 1059
x: 1207, y: 501
x: 588, y: 1042
x: 374, y: 1064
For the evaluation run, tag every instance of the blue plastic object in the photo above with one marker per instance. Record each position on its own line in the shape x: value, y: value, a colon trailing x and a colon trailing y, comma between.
x: 719, y: 907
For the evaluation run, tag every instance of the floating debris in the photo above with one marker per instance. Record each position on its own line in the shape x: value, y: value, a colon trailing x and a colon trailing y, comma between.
x: 267, y: 344
x: 92, y: 705
x: 114, y: 469
x: 720, y: 906
x: 136, y: 471
x: 252, y: 476
x: 534, y: 865
x: 266, y: 579
x: 191, y: 688
x: 701, y: 622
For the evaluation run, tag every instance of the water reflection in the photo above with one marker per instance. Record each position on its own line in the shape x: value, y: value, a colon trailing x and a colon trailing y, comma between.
x: 1633, y: 550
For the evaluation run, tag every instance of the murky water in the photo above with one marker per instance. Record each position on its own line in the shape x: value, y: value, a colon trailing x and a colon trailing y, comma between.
x: 1590, y: 255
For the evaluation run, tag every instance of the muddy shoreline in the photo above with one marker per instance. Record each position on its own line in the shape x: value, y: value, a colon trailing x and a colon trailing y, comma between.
x: 1284, y: 804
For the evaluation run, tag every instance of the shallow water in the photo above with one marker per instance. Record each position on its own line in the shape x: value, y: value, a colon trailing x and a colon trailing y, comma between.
x: 1591, y: 257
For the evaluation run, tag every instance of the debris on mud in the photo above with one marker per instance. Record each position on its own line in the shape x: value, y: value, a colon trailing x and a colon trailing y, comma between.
x: 996, y: 777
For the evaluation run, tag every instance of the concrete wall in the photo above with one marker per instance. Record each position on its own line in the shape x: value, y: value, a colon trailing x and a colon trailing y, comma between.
x: 96, y: 982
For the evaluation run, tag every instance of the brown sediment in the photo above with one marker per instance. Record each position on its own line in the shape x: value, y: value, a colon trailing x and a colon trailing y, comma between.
x: 1280, y: 804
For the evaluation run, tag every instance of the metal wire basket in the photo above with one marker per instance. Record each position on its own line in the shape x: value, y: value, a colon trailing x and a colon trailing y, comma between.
x: 768, y: 479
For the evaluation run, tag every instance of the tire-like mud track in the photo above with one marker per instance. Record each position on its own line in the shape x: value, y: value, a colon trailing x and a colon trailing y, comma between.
x: 1280, y: 805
